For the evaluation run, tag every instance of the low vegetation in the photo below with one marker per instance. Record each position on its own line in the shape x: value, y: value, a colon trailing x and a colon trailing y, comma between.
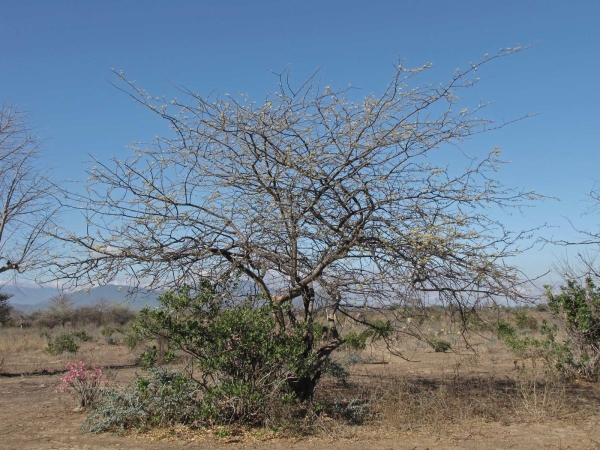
x: 211, y: 365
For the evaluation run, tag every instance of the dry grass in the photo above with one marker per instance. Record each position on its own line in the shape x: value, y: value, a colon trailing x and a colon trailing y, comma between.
x: 459, y: 389
x: 24, y: 350
x: 419, y: 404
x: 17, y: 340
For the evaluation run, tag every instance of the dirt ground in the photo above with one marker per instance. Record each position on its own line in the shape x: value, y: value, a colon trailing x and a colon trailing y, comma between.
x: 34, y: 416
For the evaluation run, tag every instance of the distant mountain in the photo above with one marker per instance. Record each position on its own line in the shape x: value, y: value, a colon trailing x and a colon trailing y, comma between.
x: 115, y: 294
x: 30, y: 299
x: 28, y: 295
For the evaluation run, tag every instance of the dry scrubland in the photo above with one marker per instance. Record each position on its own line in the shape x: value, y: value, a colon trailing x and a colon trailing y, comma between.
x: 474, y: 396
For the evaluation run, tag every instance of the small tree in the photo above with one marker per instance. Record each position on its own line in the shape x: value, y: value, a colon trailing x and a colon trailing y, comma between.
x: 60, y: 309
x: 309, y: 197
x: 5, y: 308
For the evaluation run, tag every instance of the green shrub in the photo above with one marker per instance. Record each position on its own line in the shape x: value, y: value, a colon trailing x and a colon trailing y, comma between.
x: 440, y: 345
x: 505, y: 330
x: 5, y: 308
x: 81, y: 336
x: 244, y: 361
x: 379, y: 329
x: 526, y: 322
x: 107, y: 331
x: 579, y: 307
x: 132, y: 340
x: 111, y: 340
x: 356, y: 341
x: 527, y: 346
x: 355, y: 411
x: 64, y: 342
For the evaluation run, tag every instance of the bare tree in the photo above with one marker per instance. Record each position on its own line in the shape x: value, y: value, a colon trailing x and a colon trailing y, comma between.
x: 584, y: 262
x: 27, y: 204
x: 309, y: 194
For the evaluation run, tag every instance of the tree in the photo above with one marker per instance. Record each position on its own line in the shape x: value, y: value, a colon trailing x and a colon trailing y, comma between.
x: 60, y: 309
x: 309, y: 197
x: 5, y: 308
x: 27, y: 203
x: 584, y: 263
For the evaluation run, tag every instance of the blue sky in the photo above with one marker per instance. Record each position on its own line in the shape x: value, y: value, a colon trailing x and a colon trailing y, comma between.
x: 56, y: 59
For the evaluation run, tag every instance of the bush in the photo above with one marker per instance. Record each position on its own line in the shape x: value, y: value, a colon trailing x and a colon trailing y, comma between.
x: 244, y: 361
x: 440, y: 345
x: 579, y: 307
x: 118, y: 314
x: 527, y: 347
x: 132, y: 340
x: 82, y: 316
x: 162, y: 398
x: 356, y: 411
x: 81, y: 335
x: 525, y: 322
x: 505, y: 330
x: 107, y: 331
x: 356, y: 341
x: 64, y: 342
x: 86, y: 315
x: 111, y: 340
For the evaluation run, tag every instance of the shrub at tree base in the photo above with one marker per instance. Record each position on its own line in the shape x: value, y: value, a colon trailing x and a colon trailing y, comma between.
x: 162, y: 398
x: 245, y: 366
x: 165, y: 397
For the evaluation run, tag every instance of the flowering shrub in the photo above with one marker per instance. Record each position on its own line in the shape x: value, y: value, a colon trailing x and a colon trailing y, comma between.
x: 83, y: 382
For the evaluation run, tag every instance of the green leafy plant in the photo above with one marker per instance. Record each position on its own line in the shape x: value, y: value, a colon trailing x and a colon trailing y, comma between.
x: 439, y: 345
x: 107, y: 331
x: 356, y: 341
x: 5, y: 308
x: 132, y: 340
x: 355, y: 411
x: 244, y: 361
x: 525, y: 322
x: 579, y: 307
x: 64, y: 342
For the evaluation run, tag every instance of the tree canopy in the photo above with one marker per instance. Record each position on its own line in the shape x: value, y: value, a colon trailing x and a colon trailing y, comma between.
x: 27, y: 201
x: 308, y: 192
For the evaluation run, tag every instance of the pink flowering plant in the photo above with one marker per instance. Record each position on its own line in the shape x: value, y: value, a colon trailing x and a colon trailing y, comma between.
x: 83, y: 382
